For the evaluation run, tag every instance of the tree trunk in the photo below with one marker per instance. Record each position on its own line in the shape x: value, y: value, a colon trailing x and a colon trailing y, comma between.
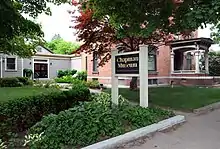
x: 133, y: 83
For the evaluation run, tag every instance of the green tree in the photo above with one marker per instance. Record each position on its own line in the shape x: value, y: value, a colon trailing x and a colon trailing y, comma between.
x: 215, y: 33
x: 56, y: 36
x: 214, y: 63
x: 18, y: 35
x: 60, y: 46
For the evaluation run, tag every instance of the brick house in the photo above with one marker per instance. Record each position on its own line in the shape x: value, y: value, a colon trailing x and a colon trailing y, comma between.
x: 177, y: 61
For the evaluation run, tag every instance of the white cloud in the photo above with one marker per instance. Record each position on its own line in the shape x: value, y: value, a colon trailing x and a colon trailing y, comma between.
x: 206, y: 33
x: 58, y: 23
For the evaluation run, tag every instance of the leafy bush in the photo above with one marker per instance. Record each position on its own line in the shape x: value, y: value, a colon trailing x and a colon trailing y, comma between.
x: 91, y: 122
x: 65, y: 79
x: 82, y: 75
x: 93, y: 84
x: 15, y: 82
x: 2, y: 145
x: 10, y: 82
x: 62, y: 73
x: 20, y: 114
x: 81, y: 88
x: 27, y: 72
x: 25, y: 80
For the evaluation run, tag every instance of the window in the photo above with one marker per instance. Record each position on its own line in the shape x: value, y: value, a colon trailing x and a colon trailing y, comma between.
x: 95, y: 62
x: 152, y: 60
x: 11, y: 64
x: 188, y: 61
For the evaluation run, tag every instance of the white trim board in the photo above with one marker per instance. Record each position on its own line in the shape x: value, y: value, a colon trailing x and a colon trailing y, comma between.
x: 22, y: 67
x: 1, y: 67
x: 127, y: 53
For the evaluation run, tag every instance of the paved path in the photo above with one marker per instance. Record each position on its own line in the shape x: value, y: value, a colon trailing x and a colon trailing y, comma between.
x: 199, y: 132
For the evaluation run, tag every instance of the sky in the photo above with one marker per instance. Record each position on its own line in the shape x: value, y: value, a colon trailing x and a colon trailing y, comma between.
x: 206, y: 33
x: 60, y: 21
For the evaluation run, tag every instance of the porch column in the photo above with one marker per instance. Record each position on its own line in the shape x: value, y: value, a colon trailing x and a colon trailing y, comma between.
x: 172, y: 61
x: 197, y: 60
x: 206, y: 62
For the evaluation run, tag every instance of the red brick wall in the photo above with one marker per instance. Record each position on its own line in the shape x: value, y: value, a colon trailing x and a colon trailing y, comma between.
x: 104, y: 71
x: 163, y: 61
x: 163, y: 65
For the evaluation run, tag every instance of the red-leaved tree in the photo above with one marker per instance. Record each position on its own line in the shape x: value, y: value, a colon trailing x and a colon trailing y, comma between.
x: 102, y: 30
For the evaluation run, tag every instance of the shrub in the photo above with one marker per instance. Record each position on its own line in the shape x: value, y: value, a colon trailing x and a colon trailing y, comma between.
x: 2, y: 145
x: 20, y: 114
x: 25, y: 80
x: 91, y: 122
x: 15, y: 82
x: 82, y: 75
x: 93, y: 84
x: 10, y: 82
x: 81, y: 88
x: 27, y: 72
x: 62, y: 73
x: 65, y: 79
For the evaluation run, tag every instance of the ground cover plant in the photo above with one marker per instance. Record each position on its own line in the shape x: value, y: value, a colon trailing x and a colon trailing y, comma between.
x: 91, y: 122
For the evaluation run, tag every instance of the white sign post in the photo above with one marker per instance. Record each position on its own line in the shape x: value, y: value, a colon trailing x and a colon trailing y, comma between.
x: 114, y: 79
x: 143, y: 69
x: 132, y: 64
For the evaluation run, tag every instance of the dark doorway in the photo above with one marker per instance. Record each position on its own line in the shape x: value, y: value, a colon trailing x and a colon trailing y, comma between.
x: 40, y: 70
x: 178, y: 60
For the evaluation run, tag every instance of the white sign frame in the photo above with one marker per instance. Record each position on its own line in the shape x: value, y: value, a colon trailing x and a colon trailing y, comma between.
x: 143, y: 74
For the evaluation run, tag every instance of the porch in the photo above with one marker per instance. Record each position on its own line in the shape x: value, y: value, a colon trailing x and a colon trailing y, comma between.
x: 190, y: 56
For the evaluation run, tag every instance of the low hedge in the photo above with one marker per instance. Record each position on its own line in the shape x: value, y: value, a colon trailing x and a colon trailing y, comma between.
x: 25, y: 80
x: 10, y: 82
x: 91, y: 122
x: 15, y: 82
x: 62, y: 73
x: 93, y: 84
x: 20, y: 114
x: 64, y: 79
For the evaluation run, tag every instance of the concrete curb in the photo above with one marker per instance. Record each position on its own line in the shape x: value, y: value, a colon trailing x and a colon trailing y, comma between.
x: 207, y: 109
x: 136, y: 134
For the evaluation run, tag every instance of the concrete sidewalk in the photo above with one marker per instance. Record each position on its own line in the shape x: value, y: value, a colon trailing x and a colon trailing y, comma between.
x: 199, y: 132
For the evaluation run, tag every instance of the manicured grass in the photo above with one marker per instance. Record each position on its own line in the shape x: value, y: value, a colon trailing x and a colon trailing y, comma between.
x: 17, y: 92
x: 179, y: 98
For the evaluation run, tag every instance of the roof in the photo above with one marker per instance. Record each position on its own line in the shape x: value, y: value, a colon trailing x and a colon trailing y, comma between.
x: 58, y: 55
x: 47, y: 49
x: 200, y: 41
x: 50, y: 51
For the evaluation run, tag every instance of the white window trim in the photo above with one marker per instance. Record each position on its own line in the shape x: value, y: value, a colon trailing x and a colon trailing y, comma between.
x: 48, y: 66
x: 16, y: 63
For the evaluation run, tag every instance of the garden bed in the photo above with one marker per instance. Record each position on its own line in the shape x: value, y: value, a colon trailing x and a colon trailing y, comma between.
x: 91, y: 122
x: 178, y: 98
x: 23, y: 112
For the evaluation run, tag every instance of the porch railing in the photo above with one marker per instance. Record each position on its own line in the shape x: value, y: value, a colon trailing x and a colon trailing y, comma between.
x: 187, y: 71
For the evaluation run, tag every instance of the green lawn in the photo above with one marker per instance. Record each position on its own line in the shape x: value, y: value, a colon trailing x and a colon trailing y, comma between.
x: 179, y: 98
x: 16, y: 92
